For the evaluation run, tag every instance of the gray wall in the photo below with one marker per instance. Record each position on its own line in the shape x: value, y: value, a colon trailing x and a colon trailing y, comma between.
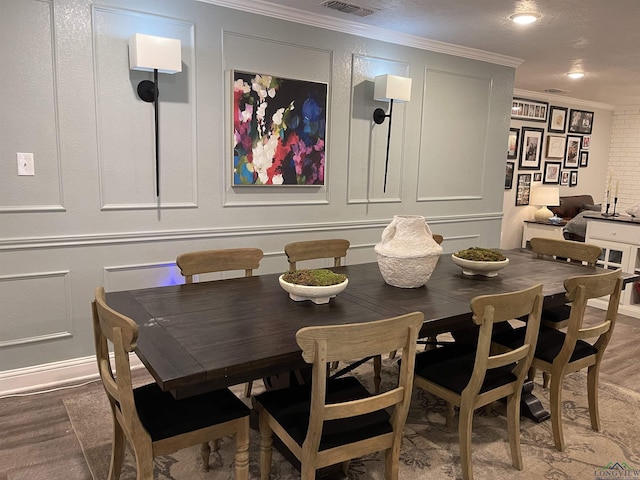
x: 90, y: 217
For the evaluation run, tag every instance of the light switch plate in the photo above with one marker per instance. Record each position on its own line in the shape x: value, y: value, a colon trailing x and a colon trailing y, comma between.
x: 25, y: 164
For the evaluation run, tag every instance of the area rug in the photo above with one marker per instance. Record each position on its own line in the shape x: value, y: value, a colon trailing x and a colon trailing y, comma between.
x: 430, y: 449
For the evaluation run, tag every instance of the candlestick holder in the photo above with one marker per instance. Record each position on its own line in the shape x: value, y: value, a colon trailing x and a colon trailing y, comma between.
x: 615, y: 202
x: 606, y: 212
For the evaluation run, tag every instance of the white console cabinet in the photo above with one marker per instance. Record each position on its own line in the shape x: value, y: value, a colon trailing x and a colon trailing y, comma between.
x: 541, y: 229
x: 619, y: 238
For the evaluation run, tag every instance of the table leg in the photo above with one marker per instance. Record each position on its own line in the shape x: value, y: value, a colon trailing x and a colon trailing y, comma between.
x: 530, y: 405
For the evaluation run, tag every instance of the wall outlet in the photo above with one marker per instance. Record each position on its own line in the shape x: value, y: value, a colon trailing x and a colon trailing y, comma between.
x: 25, y: 164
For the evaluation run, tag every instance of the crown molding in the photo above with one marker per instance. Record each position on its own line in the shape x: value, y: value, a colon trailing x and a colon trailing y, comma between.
x: 280, y: 12
x: 561, y: 99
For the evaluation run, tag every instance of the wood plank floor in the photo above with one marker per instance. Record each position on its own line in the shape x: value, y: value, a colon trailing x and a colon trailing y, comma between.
x: 37, y: 441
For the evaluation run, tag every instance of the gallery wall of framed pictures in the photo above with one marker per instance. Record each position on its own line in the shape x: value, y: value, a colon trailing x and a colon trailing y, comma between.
x: 552, y: 155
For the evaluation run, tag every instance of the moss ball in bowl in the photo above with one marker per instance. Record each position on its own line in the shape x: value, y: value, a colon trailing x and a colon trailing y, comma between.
x: 480, y: 261
x: 319, y: 285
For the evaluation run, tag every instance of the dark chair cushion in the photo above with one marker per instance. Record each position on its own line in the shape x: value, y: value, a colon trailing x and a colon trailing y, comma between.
x: 291, y: 408
x: 550, y: 343
x: 163, y: 416
x: 556, y: 314
x: 451, y: 367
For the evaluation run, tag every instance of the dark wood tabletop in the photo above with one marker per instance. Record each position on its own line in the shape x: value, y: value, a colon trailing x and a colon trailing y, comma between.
x: 220, y: 333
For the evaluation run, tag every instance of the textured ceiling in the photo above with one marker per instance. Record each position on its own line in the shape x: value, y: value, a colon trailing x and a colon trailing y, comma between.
x: 602, y: 37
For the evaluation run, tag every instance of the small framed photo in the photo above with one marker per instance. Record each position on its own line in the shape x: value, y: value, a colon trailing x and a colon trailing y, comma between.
x: 555, y: 147
x: 573, y: 178
x: 551, y: 172
x: 571, y: 157
x: 531, y: 148
x: 524, y: 188
x: 557, y: 119
x: 564, y: 177
x: 584, y: 159
x: 514, y: 140
x: 537, y: 177
x: 508, y: 178
x: 532, y: 110
x: 586, y: 142
x: 580, y: 121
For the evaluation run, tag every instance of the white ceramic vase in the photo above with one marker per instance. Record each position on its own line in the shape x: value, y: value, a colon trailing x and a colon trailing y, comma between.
x: 407, y: 254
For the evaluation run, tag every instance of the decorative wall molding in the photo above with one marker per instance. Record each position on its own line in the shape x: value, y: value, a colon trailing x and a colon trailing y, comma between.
x: 63, y: 321
x: 28, y: 243
x: 33, y: 209
x: 324, y: 21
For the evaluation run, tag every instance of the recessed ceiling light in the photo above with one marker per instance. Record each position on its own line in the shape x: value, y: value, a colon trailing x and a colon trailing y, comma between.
x: 575, y: 75
x: 525, y: 18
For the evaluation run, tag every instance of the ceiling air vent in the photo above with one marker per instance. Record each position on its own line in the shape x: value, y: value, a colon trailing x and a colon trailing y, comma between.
x: 555, y: 90
x: 348, y: 8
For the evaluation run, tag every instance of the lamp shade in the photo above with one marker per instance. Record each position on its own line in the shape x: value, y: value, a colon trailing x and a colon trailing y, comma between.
x: 544, y: 196
x: 547, y: 196
x: 147, y: 52
x: 392, y: 87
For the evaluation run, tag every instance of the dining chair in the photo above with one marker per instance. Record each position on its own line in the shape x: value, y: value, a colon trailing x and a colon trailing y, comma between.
x: 471, y: 376
x: 557, y: 317
x: 333, y: 421
x: 581, y: 346
x: 335, y: 248
x: 152, y: 421
x: 226, y: 259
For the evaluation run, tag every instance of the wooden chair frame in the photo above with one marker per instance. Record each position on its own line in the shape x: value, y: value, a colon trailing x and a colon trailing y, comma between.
x: 579, y: 290
x: 113, y: 328
x: 487, y: 311
x: 226, y: 259
x: 335, y: 248
x: 325, y: 344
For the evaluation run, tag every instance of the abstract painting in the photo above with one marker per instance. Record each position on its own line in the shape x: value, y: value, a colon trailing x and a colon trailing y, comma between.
x: 279, y: 129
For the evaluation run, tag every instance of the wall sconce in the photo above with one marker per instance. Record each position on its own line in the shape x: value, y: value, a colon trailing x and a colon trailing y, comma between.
x: 387, y: 89
x: 545, y: 197
x: 154, y: 54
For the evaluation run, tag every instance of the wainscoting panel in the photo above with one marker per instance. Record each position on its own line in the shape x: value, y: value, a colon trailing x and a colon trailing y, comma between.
x: 126, y: 144
x: 453, y: 169
x: 36, y: 307
x: 30, y: 92
x: 368, y: 141
x: 269, y: 57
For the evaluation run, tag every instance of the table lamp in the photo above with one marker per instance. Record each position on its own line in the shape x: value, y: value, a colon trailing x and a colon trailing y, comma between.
x: 545, y: 197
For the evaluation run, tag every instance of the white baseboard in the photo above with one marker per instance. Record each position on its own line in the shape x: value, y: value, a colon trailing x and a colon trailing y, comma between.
x: 51, y: 375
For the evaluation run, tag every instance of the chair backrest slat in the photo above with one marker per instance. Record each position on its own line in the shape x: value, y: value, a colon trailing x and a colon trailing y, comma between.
x: 221, y: 260
x: 567, y: 249
x: 335, y: 248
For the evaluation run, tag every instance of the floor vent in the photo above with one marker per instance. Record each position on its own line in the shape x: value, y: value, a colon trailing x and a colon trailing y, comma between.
x: 348, y: 8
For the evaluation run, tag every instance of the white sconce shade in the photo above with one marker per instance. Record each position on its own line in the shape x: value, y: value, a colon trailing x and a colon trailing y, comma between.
x: 545, y: 197
x: 392, y: 87
x: 147, y: 52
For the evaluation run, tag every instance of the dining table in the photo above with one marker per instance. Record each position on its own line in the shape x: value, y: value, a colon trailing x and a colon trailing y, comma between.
x: 213, y: 334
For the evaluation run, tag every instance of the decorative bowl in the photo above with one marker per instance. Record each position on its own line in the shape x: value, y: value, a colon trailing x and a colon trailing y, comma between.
x: 487, y: 269
x: 318, y: 295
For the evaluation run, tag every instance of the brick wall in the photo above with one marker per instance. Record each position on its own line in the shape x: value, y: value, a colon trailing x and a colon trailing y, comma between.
x: 624, y: 155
